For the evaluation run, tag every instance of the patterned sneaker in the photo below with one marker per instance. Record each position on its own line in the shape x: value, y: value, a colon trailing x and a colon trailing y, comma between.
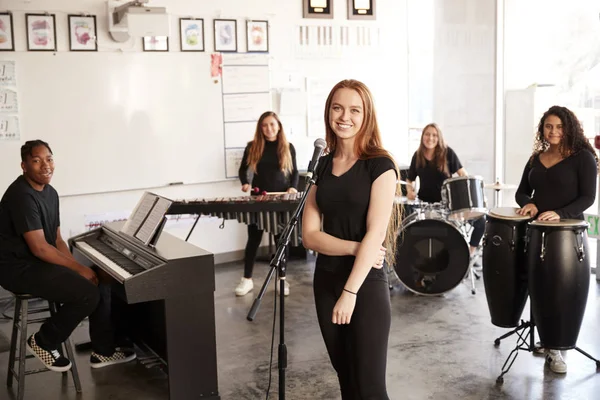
x: 118, y: 357
x: 52, y: 359
x: 538, y: 348
x: 555, y: 362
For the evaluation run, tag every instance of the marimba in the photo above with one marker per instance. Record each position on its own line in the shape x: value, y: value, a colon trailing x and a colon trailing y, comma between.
x: 270, y: 212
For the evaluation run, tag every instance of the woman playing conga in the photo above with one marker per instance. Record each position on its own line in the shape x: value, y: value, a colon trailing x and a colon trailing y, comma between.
x: 559, y: 181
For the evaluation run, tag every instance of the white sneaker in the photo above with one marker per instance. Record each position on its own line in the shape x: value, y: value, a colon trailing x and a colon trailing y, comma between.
x: 244, y: 287
x: 538, y: 348
x: 555, y: 362
x: 286, y: 288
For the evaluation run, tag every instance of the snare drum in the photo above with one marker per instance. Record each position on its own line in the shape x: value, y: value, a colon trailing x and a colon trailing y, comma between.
x: 433, y: 255
x: 463, y: 196
x: 504, y: 265
x: 559, y: 279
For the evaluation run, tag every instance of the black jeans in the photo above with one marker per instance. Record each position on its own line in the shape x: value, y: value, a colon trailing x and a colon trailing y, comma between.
x: 358, y: 351
x: 254, y: 239
x: 79, y: 298
x: 478, y: 231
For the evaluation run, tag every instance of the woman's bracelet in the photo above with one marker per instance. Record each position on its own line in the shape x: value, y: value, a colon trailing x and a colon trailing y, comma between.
x: 346, y: 290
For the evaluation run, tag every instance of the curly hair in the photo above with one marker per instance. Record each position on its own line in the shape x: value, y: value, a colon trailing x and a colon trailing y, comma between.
x: 573, y: 139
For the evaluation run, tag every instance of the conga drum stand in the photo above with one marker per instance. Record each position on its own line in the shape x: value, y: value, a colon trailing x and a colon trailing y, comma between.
x: 526, y: 341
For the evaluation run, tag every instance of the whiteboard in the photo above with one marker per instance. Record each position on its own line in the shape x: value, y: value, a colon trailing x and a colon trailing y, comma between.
x: 238, y: 134
x: 119, y: 121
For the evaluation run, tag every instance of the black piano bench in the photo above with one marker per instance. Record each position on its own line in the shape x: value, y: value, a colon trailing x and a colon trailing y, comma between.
x: 19, y: 334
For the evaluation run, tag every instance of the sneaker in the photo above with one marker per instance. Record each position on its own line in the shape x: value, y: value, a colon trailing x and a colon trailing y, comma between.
x: 555, y: 362
x: 244, y: 287
x: 118, y: 357
x: 286, y: 288
x: 51, y: 358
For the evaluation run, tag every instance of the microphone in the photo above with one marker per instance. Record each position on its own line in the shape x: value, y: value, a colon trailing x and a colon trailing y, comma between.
x: 320, y: 145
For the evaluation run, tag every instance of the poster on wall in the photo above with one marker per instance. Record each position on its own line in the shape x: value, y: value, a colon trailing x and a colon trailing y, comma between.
x: 9, y: 127
x: 7, y: 73
x: 8, y: 101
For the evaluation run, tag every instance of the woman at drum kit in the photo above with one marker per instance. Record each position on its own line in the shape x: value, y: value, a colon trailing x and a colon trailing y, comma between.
x: 272, y: 161
x: 433, y: 163
x: 559, y: 184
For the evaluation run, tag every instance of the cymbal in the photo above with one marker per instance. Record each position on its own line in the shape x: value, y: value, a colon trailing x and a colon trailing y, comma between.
x: 500, y: 186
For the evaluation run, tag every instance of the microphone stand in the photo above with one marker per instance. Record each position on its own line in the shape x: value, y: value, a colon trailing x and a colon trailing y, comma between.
x: 279, y: 262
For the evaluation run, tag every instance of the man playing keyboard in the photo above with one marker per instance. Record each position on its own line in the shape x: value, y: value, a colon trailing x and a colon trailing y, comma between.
x: 35, y: 260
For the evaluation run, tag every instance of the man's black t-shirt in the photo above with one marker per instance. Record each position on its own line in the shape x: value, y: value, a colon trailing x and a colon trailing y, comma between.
x: 567, y: 188
x: 431, y: 178
x: 268, y: 175
x: 24, y: 209
x: 344, y: 202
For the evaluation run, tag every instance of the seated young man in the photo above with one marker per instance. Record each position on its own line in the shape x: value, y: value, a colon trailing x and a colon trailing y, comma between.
x: 34, y: 259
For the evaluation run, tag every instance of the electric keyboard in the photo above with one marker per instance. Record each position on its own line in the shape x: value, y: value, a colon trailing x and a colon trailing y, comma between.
x: 168, y: 293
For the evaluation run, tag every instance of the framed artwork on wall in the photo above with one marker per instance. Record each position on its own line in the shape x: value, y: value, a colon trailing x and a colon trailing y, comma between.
x: 225, y: 34
x: 82, y: 33
x: 191, y: 34
x: 7, y: 37
x: 317, y: 9
x: 156, y: 43
x: 361, y: 9
x: 41, y: 32
x: 257, y: 36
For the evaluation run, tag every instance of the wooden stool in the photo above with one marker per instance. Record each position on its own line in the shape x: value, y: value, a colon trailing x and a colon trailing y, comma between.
x: 20, y: 322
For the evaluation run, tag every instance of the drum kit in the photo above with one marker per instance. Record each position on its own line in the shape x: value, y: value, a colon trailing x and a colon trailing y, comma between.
x: 545, y: 260
x: 433, y: 254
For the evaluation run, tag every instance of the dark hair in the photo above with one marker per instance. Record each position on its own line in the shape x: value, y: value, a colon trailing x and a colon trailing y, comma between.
x: 573, y: 140
x: 27, y: 148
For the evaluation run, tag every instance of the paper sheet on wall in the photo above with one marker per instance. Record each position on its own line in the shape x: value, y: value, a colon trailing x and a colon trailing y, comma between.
x: 238, y: 134
x: 8, y: 101
x: 245, y: 79
x: 233, y: 159
x: 245, y: 107
x: 9, y: 127
x: 8, y: 76
x: 318, y: 89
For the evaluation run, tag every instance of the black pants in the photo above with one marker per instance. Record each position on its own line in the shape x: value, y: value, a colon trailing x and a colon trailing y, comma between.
x: 79, y: 298
x: 254, y: 239
x: 478, y: 231
x: 358, y: 351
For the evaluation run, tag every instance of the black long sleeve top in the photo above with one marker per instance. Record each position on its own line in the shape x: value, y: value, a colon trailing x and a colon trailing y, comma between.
x: 567, y: 188
x: 268, y: 176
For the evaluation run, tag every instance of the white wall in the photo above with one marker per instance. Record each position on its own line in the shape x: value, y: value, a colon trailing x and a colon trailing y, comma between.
x: 386, y: 77
x: 464, y: 79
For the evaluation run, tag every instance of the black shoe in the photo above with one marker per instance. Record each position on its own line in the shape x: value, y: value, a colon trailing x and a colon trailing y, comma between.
x: 51, y: 358
x: 118, y: 357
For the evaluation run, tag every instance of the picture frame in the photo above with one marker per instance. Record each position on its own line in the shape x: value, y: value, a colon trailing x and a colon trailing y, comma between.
x: 361, y: 9
x: 257, y: 36
x: 82, y: 33
x: 191, y: 34
x: 225, y: 35
x: 317, y: 9
x: 7, y: 35
x: 41, y: 32
x: 155, y: 43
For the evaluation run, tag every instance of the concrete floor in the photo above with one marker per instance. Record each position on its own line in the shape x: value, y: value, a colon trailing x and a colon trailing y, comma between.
x: 440, y: 348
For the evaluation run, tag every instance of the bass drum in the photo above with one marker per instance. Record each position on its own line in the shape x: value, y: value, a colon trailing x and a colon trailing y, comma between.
x: 433, y: 255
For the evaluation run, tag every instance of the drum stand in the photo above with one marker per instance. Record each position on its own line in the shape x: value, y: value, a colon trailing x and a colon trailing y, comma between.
x: 472, y: 273
x: 526, y: 341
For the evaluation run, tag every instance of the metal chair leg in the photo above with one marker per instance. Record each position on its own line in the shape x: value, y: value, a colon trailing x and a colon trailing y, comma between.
x: 13, y: 344
x: 22, y: 349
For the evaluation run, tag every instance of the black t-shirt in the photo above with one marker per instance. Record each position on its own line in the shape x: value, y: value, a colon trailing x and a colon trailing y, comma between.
x: 567, y: 188
x: 344, y: 202
x: 431, y: 178
x: 24, y: 209
x: 268, y: 175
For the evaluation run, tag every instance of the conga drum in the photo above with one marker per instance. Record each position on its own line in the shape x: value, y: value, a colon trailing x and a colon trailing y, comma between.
x: 559, y: 279
x: 504, y: 265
